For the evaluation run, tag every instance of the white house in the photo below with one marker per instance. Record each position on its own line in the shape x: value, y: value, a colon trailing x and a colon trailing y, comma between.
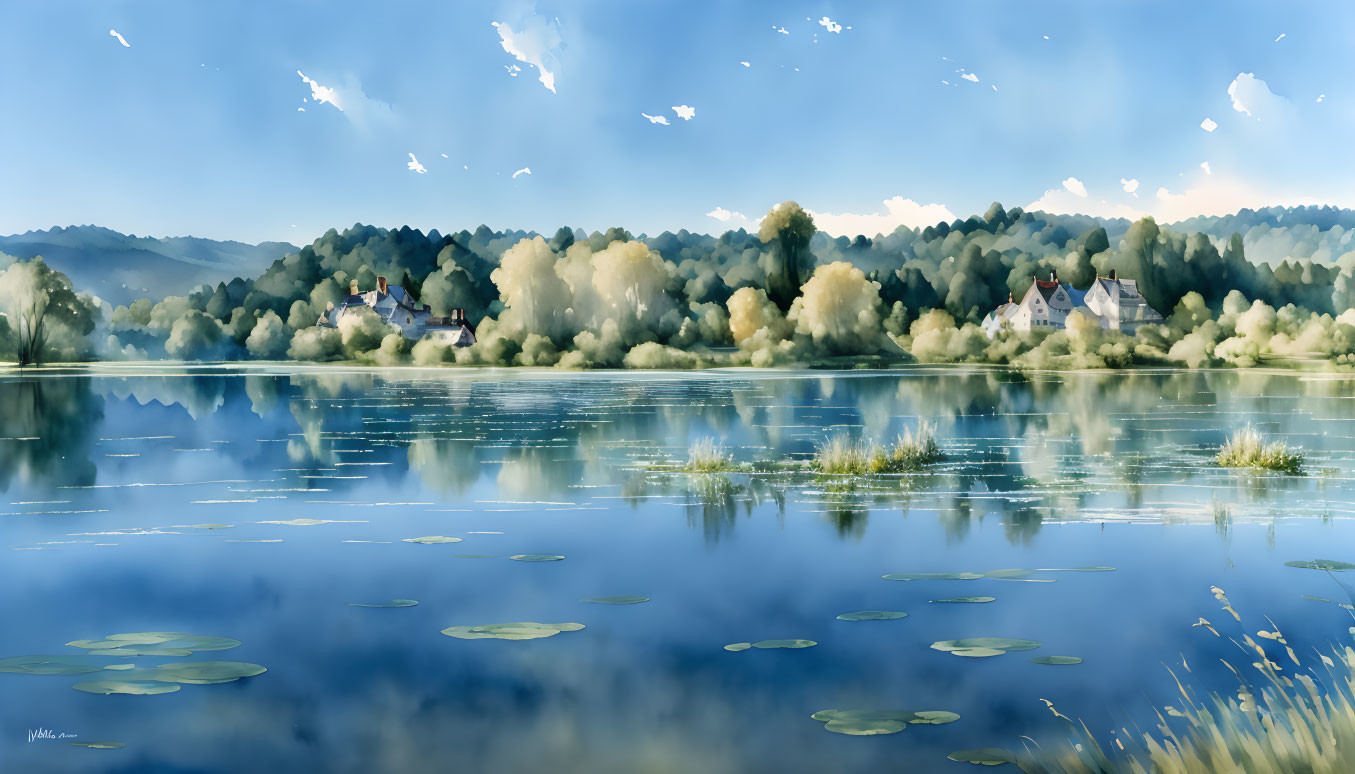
x: 1119, y: 305
x: 393, y: 304
x: 1116, y: 304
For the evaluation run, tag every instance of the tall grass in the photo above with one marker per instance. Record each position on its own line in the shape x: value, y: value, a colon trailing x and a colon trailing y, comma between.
x: 1282, y: 721
x: 840, y: 455
x: 707, y: 456
x: 1247, y: 448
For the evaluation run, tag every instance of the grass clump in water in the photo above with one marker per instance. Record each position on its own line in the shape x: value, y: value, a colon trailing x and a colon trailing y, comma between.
x: 840, y: 455
x: 1247, y: 448
x: 707, y: 456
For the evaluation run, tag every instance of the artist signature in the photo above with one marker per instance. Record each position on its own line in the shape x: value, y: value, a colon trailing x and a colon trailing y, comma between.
x: 47, y: 733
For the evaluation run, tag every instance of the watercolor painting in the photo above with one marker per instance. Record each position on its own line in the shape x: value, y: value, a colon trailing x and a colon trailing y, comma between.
x: 677, y: 387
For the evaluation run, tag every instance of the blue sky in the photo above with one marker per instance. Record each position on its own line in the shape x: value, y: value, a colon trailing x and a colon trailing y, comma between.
x: 193, y: 127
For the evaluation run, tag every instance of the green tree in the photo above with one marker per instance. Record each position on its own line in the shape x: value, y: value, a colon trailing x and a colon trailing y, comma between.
x: 787, y: 228
x: 45, y: 315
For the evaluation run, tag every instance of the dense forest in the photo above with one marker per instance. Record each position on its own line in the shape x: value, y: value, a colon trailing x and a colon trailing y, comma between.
x: 1235, y: 290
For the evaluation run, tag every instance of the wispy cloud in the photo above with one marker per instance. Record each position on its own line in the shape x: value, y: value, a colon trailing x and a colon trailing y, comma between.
x: 898, y: 212
x: 685, y: 112
x: 534, y: 40
x: 1277, y: 40
x: 414, y: 165
x: 656, y: 119
x: 1252, y: 96
x: 120, y: 38
x: 724, y: 216
x: 1205, y: 166
x: 746, y: 64
x: 830, y: 25
x: 1073, y: 199
x: 523, y: 171
x: 321, y: 94
x: 971, y: 77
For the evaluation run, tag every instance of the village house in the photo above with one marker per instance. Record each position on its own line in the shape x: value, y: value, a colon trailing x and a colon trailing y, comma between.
x: 1114, y: 303
x: 394, y: 304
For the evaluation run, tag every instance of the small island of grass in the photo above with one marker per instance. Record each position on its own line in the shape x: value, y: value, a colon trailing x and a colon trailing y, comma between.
x: 1247, y: 448
x: 840, y: 455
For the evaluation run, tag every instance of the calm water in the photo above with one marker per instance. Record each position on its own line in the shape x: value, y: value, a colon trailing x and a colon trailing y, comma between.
x: 102, y: 470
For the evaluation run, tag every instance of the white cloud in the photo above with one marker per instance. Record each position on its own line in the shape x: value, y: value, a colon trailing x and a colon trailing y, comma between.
x: 730, y: 218
x: 414, y: 165
x: 1251, y: 96
x: 685, y: 112
x: 1208, y: 124
x: 1216, y: 196
x: 321, y: 94
x: 898, y: 212
x: 1321, y: 97
x: 444, y: 155
x: 781, y: 30
x: 1130, y: 186
x: 1068, y: 201
x: 830, y: 25
x: 536, y: 42
x: 656, y: 119
x: 120, y: 38
x: 300, y: 110
x: 523, y: 171
x: 971, y: 77
x: 746, y: 64
x: 1277, y: 40
x: 1205, y: 166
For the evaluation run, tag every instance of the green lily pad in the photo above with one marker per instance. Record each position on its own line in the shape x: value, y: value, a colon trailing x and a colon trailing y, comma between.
x: 432, y: 539
x: 772, y: 644
x: 49, y: 665
x: 983, y: 647
x: 154, y: 644
x: 616, y: 600
x: 875, y: 722
x: 965, y: 600
x: 207, y: 672
x: 738, y: 646
x: 99, y: 745
x: 1057, y: 660
x: 387, y: 603
x: 912, y: 576
x: 872, y: 615
x: 535, y: 558
x: 988, y: 756
x: 132, y: 688
x: 522, y: 630
x: 1330, y: 565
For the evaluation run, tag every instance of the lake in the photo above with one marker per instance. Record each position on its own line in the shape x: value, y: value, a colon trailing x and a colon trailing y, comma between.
x: 148, y: 498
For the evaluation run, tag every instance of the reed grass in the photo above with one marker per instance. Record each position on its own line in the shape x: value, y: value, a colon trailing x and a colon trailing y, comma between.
x: 841, y: 455
x: 1247, y: 448
x: 707, y: 456
x: 1283, y: 720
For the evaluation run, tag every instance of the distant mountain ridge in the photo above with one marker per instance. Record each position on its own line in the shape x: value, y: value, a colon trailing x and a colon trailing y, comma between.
x: 121, y: 268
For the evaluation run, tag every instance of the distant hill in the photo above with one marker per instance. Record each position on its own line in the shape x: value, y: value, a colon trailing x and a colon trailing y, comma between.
x: 120, y: 268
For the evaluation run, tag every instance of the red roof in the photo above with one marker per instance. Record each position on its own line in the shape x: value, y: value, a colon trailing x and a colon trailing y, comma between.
x: 1046, y: 283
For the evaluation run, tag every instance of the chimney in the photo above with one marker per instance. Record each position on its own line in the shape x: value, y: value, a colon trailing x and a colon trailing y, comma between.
x: 381, y: 285
x: 1053, y: 276
x: 353, y: 288
x: 1112, y: 275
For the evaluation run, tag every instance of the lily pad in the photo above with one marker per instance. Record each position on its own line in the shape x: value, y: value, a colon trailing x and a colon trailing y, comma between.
x: 432, y: 539
x: 100, y: 745
x: 132, y: 688
x: 988, y: 756
x: 912, y: 576
x: 1057, y: 660
x: 49, y: 665
x: 522, y: 630
x: 535, y: 558
x: 872, y: 615
x: 738, y: 646
x: 616, y: 600
x: 1329, y: 565
x: 207, y: 672
x: 874, y: 722
x: 983, y: 647
x: 387, y: 603
x: 154, y: 644
x: 772, y: 644
x: 965, y: 600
